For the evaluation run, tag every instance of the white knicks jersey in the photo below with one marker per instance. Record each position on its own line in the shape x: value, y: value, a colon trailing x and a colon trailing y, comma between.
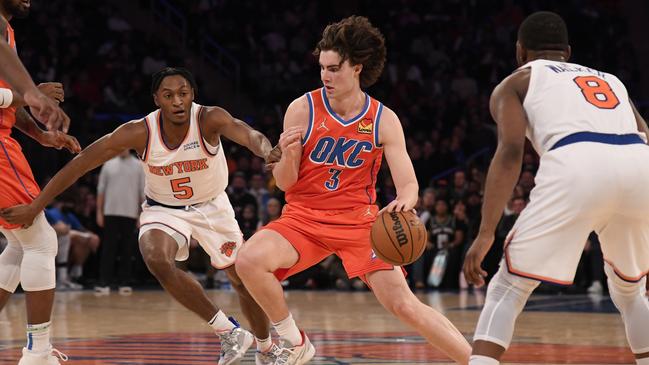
x: 192, y: 173
x: 566, y: 98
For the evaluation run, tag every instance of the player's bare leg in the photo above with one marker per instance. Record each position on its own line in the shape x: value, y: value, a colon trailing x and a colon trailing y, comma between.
x: 39, y: 305
x: 392, y: 291
x: 159, y: 252
x: 259, y: 258
x: 264, y: 253
x: 259, y: 323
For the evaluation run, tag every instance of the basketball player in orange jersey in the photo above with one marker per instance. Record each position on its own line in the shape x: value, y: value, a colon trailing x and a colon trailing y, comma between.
x: 593, y: 176
x: 185, y: 176
x: 29, y: 256
x: 332, y: 145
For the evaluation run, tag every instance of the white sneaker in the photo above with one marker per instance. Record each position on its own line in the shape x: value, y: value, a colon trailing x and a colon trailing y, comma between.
x: 102, y: 290
x: 125, y: 290
x: 296, y: 355
x: 267, y: 357
x: 234, y: 345
x: 43, y: 358
x: 67, y: 284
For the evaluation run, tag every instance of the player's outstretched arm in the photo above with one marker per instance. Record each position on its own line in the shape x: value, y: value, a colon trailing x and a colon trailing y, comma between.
x: 507, y: 110
x: 219, y: 121
x: 403, y: 174
x: 296, y: 120
x: 131, y: 135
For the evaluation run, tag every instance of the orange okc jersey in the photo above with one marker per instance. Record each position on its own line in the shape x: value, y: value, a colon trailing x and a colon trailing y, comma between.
x: 340, y: 158
x: 8, y: 115
x: 17, y: 184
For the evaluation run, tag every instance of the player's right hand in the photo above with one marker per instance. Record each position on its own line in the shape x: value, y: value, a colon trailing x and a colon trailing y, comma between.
x: 290, y: 141
x: 53, y: 89
x: 47, y: 111
x: 22, y: 215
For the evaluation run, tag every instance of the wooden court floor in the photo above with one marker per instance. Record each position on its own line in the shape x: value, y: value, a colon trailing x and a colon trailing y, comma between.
x: 148, y: 327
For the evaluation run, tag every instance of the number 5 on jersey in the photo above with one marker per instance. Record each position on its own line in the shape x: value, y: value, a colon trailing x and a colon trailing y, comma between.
x: 181, y: 188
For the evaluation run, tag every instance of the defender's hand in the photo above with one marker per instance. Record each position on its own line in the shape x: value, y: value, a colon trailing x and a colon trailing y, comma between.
x: 46, y: 110
x: 58, y: 140
x: 473, y: 271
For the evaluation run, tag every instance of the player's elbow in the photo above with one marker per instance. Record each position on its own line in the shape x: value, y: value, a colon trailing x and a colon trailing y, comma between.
x: 510, y: 154
x: 285, y: 183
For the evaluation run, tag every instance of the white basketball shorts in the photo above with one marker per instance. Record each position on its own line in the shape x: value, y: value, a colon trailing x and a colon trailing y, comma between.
x: 580, y: 188
x: 212, y: 224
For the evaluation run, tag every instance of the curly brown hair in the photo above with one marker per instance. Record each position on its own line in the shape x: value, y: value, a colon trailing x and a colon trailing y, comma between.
x: 357, y: 40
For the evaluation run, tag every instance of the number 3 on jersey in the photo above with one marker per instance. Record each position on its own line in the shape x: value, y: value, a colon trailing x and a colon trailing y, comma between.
x: 181, y: 189
x: 597, y: 92
x: 334, y: 180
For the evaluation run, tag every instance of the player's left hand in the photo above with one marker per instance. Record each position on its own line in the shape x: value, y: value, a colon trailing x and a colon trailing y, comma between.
x: 473, y: 271
x: 399, y: 205
x: 22, y: 215
x: 273, y: 157
x: 58, y: 140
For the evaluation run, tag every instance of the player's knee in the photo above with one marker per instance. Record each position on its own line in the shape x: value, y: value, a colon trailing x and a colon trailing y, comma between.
x: 10, y: 261
x: 245, y: 263
x: 621, y: 289
x: 93, y: 242
x: 161, y: 267
x: 510, y: 287
x: 405, y: 308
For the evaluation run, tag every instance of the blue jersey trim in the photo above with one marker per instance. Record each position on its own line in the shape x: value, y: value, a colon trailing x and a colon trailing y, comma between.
x: 311, y: 115
x: 616, y: 139
x: 376, y: 126
x: 337, y: 117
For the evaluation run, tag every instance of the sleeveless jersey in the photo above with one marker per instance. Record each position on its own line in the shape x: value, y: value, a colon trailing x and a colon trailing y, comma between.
x: 8, y: 115
x: 194, y: 172
x: 566, y: 98
x: 340, y: 158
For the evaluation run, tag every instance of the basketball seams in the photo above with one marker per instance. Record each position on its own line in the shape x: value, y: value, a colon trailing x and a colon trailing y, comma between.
x: 389, y: 236
x: 412, y: 246
x: 376, y: 247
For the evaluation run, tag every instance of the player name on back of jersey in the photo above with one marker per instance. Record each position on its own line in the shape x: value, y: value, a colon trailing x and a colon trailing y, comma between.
x: 571, y: 67
x: 180, y: 167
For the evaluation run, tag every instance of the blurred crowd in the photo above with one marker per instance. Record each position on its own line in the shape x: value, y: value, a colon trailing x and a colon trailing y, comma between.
x: 444, y: 58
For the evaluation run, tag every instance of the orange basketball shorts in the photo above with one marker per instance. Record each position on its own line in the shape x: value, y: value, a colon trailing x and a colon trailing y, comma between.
x: 17, y: 184
x: 316, y: 234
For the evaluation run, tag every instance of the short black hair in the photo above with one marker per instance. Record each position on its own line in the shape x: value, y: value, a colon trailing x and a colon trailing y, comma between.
x: 543, y: 31
x: 157, y: 77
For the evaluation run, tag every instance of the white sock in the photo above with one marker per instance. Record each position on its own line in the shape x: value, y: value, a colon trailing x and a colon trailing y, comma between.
x: 287, y: 329
x: 644, y: 361
x: 482, y: 360
x: 38, y: 337
x: 76, y: 272
x: 220, y: 323
x: 265, y: 344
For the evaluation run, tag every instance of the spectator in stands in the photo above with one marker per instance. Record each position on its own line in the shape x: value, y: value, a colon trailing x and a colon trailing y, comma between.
x: 427, y: 207
x: 120, y: 193
x: 81, y: 241
x: 261, y: 194
x: 273, y: 210
x: 239, y: 194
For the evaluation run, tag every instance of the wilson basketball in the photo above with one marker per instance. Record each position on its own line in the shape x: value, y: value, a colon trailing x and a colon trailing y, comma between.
x: 398, y: 238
